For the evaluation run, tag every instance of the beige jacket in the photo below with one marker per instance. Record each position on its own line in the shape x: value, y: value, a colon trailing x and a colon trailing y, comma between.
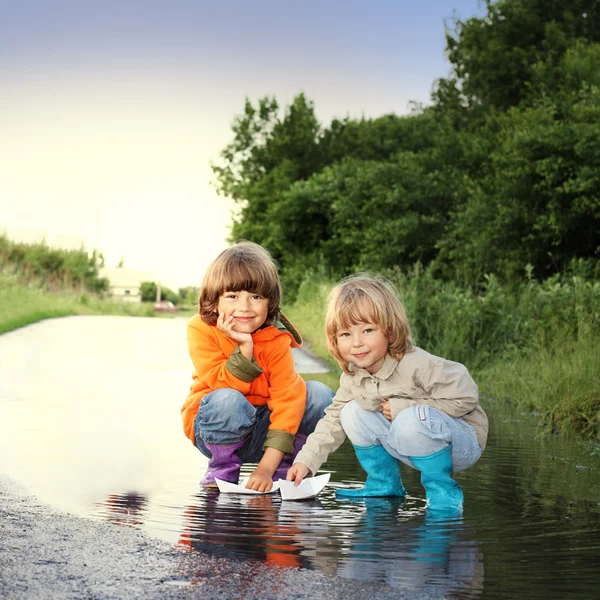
x: 418, y: 378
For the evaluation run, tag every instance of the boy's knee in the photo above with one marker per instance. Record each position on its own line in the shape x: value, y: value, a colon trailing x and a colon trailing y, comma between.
x: 223, y: 404
x: 350, y: 413
x: 318, y: 396
x: 363, y: 427
x: 406, y: 423
x: 412, y: 430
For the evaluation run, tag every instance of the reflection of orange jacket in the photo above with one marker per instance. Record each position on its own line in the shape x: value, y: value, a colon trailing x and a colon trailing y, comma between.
x: 270, y: 378
x: 252, y: 533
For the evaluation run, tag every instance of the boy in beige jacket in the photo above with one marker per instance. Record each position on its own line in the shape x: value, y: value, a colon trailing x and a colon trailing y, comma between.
x: 396, y: 402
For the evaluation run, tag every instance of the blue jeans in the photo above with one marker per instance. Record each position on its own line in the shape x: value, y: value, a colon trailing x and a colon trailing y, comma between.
x: 416, y: 431
x: 225, y: 417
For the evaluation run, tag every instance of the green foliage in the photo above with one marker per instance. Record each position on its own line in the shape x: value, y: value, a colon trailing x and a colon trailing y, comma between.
x: 556, y: 375
x: 494, y: 56
x: 535, y: 198
x: 168, y: 294
x: 148, y: 291
x: 307, y: 312
x: 52, y: 268
x: 267, y: 155
x: 189, y: 295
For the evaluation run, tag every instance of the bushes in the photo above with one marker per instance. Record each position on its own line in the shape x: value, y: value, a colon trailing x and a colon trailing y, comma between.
x: 50, y: 268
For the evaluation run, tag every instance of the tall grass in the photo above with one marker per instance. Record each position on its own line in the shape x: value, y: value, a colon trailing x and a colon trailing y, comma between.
x: 536, y: 344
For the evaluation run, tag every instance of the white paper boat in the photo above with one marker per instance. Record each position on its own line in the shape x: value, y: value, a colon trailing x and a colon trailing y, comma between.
x: 309, y: 487
x: 225, y: 487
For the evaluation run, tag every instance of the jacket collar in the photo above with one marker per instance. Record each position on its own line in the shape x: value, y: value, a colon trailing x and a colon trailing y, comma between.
x: 281, y: 324
x: 387, y: 368
x: 284, y: 324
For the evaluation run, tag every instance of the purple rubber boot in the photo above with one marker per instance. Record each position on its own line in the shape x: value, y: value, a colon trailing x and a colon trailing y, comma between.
x: 224, y: 463
x: 288, y: 459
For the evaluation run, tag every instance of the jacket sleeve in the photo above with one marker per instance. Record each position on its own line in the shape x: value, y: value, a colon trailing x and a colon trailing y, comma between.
x: 328, y: 435
x: 287, y: 396
x: 446, y: 385
x: 211, y: 364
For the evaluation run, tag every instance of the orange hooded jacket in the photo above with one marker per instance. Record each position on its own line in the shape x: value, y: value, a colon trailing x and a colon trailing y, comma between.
x: 270, y: 378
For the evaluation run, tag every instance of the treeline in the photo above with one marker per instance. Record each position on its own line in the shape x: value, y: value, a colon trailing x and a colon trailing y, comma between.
x: 52, y: 268
x: 501, y: 173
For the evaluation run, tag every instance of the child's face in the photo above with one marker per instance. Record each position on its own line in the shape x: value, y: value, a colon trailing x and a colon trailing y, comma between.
x: 364, y: 344
x: 249, y: 310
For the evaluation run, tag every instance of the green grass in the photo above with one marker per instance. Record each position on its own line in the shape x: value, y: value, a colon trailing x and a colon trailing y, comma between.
x: 330, y: 379
x: 22, y: 305
x: 558, y: 378
x: 308, y: 314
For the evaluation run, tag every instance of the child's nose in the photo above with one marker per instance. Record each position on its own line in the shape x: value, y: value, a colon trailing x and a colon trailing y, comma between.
x: 244, y: 303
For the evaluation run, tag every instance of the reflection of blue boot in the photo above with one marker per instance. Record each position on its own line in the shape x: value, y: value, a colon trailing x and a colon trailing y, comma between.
x: 383, y: 474
x: 444, y: 496
x: 433, y: 539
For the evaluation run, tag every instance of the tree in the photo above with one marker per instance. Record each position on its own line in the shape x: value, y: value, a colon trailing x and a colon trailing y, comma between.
x: 148, y: 291
x: 189, y: 295
x: 535, y: 201
x: 494, y: 56
x: 268, y: 154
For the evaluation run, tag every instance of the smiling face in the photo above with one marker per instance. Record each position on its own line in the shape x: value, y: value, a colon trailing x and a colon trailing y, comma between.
x: 249, y: 310
x: 364, y: 345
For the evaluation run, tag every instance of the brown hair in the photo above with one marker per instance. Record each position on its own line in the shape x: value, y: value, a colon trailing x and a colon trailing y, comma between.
x: 362, y: 297
x: 244, y: 266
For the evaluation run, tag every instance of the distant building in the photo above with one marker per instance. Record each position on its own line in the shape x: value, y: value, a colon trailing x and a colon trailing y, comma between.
x: 124, y: 284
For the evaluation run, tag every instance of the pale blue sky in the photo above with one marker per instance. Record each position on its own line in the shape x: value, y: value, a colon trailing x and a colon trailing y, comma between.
x: 112, y: 111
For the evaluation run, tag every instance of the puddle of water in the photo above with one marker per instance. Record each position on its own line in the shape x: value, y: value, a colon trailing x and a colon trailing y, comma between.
x: 89, y: 421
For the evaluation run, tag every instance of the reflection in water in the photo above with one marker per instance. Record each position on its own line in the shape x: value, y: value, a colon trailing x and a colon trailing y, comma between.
x: 532, y: 503
x: 124, y: 509
x: 241, y: 527
x: 418, y: 554
x: 372, y: 540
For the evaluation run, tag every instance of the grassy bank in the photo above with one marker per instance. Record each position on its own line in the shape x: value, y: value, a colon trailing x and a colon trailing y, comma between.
x: 534, y: 344
x: 22, y: 304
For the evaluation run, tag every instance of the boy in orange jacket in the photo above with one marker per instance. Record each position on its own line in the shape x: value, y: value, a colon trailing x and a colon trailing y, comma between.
x: 247, y: 403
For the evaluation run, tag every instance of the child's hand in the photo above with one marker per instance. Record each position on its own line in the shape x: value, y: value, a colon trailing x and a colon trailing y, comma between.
x: 387, y: 412
x: 297, y: 472
x: 226, y: 325
x: 260, y: 480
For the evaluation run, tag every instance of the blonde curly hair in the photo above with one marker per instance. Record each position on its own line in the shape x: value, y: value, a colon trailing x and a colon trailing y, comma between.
x: 362, y: 298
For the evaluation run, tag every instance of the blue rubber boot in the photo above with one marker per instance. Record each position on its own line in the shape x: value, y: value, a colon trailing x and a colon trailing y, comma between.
x: 444, y: 496
x: 383, y: 474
